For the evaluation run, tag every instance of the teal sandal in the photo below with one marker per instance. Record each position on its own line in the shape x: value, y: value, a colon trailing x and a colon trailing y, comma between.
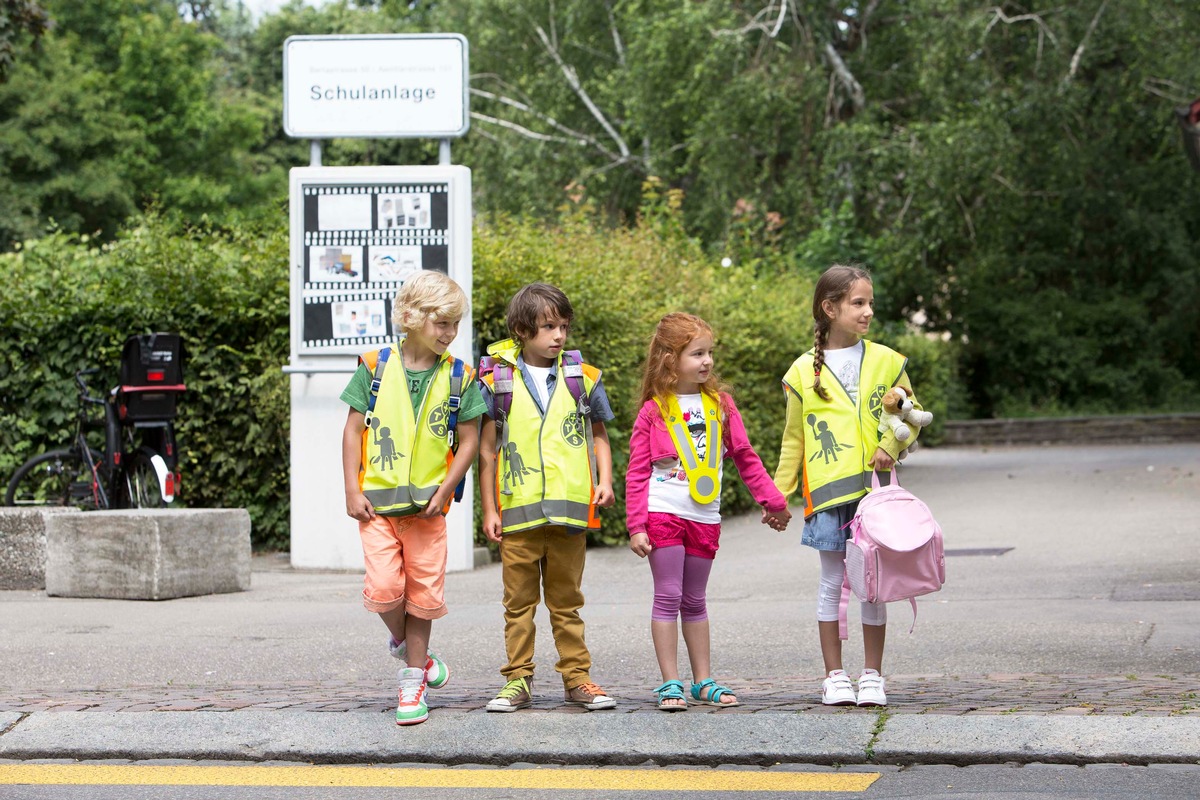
x: 671, y: 690
x: 709, y: 693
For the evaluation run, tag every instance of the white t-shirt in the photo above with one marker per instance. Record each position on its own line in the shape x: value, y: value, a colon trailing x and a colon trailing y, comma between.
x: 541, y: 377
x: 845, y: 364
x: 669, y: 491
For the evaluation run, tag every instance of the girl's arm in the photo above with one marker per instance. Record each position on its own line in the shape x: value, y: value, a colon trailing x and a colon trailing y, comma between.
x: 637, y: 475
x: 791, y: 450
x: 749, y: 465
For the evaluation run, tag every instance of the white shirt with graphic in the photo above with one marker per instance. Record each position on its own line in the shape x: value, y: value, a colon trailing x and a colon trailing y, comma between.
x: 845, y: 364
x: 669, y: 493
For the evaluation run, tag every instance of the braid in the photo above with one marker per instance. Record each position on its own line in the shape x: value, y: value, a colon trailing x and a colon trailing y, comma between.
x: 822, y: 330
x: 833, y: 285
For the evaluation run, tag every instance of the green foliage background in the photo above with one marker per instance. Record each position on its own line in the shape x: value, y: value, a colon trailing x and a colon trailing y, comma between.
x: 71, y: 302
x: 1011, y: 173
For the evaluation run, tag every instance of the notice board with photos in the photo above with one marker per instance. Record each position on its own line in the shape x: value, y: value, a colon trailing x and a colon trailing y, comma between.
x: 357, y: 234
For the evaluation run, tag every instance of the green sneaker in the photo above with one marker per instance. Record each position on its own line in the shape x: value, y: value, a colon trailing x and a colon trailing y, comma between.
x: 412, y: 709
x: 436, y: 671
x: 517, y: 693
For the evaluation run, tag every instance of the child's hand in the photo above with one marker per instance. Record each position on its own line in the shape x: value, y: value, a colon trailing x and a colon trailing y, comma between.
x: 359, y: 507
x: 778, y: 520
x: 639, y: 543
x: 603, y: 495
x: 881, y: 460
x: 433, y: 508
x: 491, y: 526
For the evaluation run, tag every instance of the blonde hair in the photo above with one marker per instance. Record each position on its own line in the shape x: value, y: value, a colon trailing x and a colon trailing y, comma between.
x: 660, y: 373
x: 429, y: 296
x: 833, y: 285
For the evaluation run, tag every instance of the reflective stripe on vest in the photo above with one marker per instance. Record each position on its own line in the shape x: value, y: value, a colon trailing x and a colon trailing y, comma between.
x: 704, y: 479
x: 404, y: 463
x: 839, y: 439
x: 544, y: 470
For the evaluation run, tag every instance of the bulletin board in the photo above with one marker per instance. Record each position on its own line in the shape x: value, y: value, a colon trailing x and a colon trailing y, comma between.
x: 358, y: 233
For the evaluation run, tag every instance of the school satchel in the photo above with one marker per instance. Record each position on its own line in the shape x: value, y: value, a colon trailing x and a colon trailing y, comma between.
x: 896, y: 552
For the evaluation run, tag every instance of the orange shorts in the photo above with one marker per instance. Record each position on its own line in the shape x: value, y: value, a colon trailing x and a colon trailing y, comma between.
x: 405, y: 558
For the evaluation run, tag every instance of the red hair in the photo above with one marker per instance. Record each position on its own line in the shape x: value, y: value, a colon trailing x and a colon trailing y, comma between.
x: 660, y: 373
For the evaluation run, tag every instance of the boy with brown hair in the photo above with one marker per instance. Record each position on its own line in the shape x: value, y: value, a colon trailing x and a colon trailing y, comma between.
x: 544, y: 467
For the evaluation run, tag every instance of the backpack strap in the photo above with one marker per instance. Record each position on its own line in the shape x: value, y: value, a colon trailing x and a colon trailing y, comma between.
x: 376, y: 380
x: 458, y: 374
x: 572, y: 369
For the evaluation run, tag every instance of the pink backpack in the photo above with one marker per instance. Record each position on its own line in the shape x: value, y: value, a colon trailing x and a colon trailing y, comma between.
x: 896, y: 552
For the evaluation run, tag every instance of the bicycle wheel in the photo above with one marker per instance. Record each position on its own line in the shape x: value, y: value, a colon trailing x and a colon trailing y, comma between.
x: 140, y: 487
x: 56, y: 478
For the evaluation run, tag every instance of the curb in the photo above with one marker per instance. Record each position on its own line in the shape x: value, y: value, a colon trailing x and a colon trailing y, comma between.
x: 600, y: 739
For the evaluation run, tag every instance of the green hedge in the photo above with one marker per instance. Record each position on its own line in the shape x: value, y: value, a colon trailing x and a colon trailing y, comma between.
x: 68, y: 304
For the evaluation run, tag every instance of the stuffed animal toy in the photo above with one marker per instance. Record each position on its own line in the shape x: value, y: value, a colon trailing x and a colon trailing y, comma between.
x: 897, y: 410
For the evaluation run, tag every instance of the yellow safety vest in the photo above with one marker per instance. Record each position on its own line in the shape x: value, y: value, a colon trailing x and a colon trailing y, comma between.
x: 704, y: 477
x: 543, y: 470
x: 839, y: 438
x: 403, y: 464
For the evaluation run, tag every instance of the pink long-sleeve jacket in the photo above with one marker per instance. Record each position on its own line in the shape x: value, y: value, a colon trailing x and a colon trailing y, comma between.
x: 650, y: 442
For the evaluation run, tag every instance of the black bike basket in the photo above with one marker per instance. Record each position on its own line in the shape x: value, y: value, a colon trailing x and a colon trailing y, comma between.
x: 151, y: 377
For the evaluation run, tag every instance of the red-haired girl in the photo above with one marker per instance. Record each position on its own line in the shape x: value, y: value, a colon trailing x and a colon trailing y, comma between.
x: 687, y: 425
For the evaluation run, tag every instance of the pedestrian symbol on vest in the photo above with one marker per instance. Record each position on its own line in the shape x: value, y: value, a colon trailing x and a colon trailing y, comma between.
x: 572, y: 429
x: 824, y: 436
x: 382, y: 439
x: 514, y: 468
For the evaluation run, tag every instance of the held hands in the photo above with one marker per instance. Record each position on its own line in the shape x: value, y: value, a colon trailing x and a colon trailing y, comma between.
x: 359, y: 507
x: 881, y: 460
x: 639, y: 543
x: 778, y: 520
x: 603, y: 496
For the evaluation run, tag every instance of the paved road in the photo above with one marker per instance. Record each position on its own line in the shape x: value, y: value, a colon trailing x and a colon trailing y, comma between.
x: 1102, y: 578
x: 1067, y: 631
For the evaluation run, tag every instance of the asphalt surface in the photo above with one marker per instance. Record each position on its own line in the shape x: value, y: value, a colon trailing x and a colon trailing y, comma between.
x: 1067, y: 632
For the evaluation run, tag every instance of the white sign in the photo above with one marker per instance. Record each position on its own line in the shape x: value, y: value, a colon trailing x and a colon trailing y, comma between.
x: 383, y: 86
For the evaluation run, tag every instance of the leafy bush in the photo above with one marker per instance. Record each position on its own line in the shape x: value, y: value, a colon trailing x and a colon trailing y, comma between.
x: 69, y: 304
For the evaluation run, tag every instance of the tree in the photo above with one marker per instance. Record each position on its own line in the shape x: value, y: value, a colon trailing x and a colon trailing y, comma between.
x: 18, y: 19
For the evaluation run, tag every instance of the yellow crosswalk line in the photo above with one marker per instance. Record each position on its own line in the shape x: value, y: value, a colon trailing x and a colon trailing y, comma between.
x: 677, y: 780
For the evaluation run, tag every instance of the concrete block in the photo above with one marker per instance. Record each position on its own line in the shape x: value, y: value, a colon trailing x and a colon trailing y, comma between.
x: 148, y: 554
x: 23, y: 546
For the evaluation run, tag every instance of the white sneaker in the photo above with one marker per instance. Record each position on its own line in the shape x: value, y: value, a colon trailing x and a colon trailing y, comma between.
x: 870, y: 689
x: 837, y: 689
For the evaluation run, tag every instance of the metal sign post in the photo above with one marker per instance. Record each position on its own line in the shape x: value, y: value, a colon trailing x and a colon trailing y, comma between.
x: 357, y: 233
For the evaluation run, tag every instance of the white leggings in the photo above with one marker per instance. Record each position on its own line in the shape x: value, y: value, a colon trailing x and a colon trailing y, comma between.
x: 829, y: 592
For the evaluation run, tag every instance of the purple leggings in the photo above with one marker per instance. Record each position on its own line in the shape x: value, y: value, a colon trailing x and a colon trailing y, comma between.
x: 680, y: 582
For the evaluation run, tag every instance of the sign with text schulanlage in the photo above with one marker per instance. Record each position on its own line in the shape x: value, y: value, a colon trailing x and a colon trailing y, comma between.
x: 384, y: 86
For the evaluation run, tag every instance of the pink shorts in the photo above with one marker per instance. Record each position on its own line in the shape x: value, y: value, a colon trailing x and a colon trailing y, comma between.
x: 405, y: 558
x: 698, y: 538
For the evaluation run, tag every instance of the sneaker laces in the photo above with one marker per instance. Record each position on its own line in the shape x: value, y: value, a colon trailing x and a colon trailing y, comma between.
x: 410, y: 690
x: 513, y: 688
x: 591, y: 689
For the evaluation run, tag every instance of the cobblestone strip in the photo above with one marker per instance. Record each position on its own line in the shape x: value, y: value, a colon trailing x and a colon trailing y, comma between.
x: 1083, y: 695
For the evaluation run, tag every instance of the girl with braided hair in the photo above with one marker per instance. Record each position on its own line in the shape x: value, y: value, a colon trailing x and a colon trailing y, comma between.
x: 831, y: 445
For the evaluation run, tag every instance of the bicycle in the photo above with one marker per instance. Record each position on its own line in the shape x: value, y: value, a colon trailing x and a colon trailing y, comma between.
x: 137, y: 467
